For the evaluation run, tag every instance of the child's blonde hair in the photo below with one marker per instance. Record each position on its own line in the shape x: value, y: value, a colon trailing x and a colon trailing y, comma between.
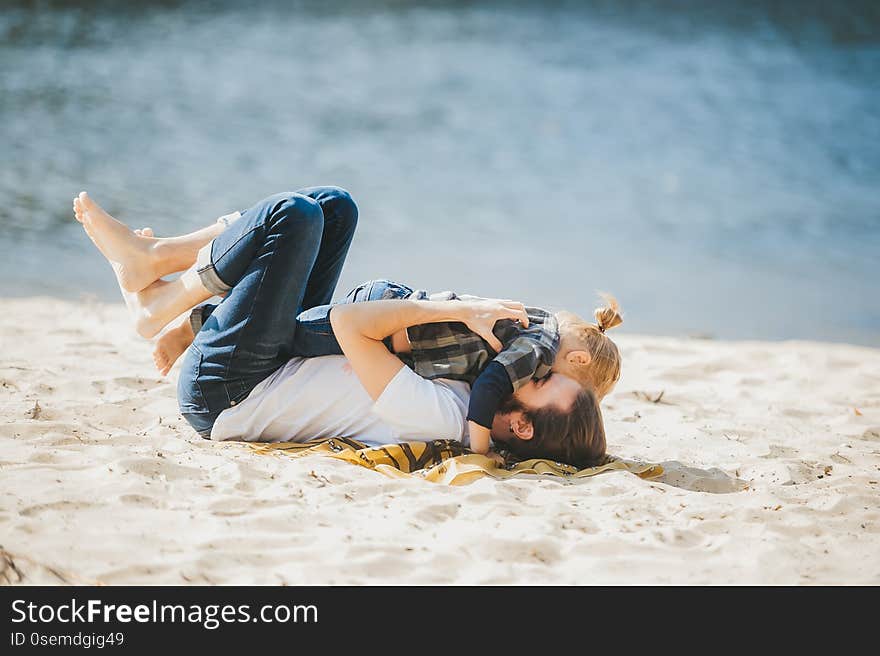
x: 603, y: 370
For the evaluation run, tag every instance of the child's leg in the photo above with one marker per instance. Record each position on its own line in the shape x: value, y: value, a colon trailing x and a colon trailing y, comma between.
x: 314, y: 334
x: 157, y: 305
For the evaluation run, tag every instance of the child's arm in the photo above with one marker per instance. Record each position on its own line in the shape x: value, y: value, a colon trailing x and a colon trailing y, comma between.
x: 488, y: 392
x: 480, y: 436
x: 360, y: 328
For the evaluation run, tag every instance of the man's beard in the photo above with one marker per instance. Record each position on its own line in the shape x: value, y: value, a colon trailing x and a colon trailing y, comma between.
x: 509, y: 405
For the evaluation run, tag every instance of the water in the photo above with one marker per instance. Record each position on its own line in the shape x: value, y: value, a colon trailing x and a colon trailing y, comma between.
x: 716, y: 167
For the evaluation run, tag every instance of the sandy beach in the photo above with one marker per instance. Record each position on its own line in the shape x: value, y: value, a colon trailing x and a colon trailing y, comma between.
x: 771, y: 453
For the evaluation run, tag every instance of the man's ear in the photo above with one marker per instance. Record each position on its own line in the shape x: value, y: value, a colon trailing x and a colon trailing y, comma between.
x: 580, y: 358
x: 522, y: 427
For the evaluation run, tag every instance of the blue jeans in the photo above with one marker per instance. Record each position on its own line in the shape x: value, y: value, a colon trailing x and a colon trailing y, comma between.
x: 314, y: 334
x: 283, y: 255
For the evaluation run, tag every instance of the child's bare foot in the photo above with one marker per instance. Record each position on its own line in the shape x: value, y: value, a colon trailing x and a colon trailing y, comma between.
x: 140, y: 304
x: 133, y: 256
x: 143, y: 306
x: 153, y: 308
x: 171, y: 346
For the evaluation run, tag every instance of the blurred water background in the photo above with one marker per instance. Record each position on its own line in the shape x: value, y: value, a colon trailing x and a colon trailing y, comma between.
x: 715, y: 165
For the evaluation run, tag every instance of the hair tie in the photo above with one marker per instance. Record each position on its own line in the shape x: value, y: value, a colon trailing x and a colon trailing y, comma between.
x: 601, y: 328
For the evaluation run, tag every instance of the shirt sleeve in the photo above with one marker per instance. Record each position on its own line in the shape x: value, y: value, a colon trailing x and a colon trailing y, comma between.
x: 489, y: 391
x: 421, y: 409
x: 523, y: 360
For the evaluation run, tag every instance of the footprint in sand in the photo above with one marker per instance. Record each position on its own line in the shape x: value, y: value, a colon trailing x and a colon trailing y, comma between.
x: 136, y: 574
x: 799, y: 413
x: 41, y: 388
x: 136, y: 383
x: 714, y: 480
x: 679, y: 538
x: 606, y: 489
x: 379, y: 563
x: 141, y: 500
x: 779, y: 451
x: 480, y: 498
x: 26, y: 430
x: 438, y: 513
x: 66, y: 331
x: 38, y: 509
x: 45, y: 458
x: 578, y: 523
x: 235, y: 506
x: 544, y: 551
x: 156, y: 468
x: 788, y: 472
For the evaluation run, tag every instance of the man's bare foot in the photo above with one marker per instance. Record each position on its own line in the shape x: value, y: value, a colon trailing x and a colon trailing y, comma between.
x: 171, y: 346
x: 133, y: 256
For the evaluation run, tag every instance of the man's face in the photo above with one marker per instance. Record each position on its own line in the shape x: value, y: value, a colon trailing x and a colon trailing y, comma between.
x: 555, y: 390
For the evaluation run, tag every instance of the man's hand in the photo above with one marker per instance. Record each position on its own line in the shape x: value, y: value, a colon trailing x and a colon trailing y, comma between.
x: 480, y: 316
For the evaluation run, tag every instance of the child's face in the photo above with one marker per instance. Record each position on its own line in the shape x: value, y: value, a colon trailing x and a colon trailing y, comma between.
x: 574, y: 359
x: 571, y: 368
x: 566, y: 368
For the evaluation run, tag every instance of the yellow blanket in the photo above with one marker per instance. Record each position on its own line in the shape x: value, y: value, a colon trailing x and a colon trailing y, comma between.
x: 444, y: 461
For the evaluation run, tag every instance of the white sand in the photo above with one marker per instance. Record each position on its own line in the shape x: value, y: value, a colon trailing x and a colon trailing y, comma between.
x: 772, y: 452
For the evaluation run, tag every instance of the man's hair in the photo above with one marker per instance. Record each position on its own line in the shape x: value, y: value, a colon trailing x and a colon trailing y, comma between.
x: 576, y: 437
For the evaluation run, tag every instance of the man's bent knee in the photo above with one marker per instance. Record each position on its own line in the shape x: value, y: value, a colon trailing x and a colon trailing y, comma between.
x: 297, y: 213
x: 338, y: 205
x: 343, y: 207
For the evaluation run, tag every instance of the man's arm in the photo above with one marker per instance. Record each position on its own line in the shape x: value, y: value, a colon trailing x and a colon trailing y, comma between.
x: 360, y: 328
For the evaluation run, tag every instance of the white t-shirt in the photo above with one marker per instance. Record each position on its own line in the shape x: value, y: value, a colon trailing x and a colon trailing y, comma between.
x: 310, y: 398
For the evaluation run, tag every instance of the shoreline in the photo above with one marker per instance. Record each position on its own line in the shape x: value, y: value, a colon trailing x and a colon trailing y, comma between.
x: 771, y: 452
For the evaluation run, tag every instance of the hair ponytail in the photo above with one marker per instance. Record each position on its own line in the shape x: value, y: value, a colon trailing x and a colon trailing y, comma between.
x: 609, y: 316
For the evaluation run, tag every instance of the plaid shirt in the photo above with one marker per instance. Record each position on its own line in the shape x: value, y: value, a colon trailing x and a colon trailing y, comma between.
x: 451, y: 350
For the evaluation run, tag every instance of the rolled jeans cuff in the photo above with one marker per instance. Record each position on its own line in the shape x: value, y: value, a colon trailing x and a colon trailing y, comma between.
x: 196, y: 319
x: 205, y: 269
x: 227, y: 219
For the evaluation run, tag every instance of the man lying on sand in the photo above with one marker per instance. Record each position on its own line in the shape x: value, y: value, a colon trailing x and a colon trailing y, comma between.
x: 242, y: 377
x: 512, y: 356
